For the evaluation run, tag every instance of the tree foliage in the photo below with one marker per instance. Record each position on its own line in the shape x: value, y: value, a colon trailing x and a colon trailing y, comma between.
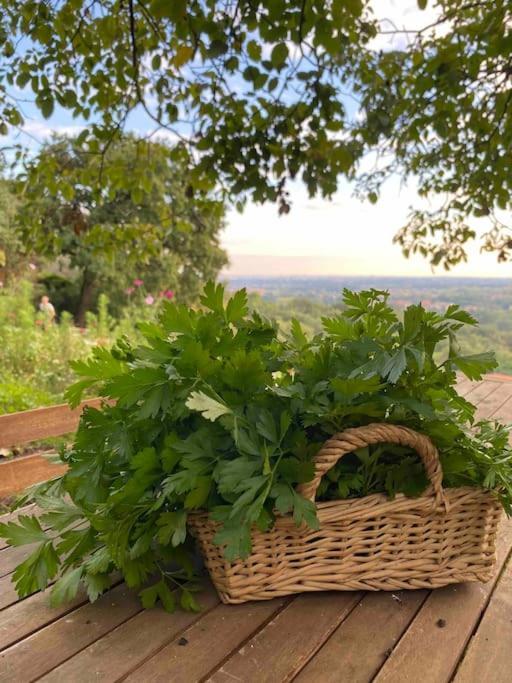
x: 11, y: 248
x: 141, y: 220
x: 256, y: 93
x: 440, y: 111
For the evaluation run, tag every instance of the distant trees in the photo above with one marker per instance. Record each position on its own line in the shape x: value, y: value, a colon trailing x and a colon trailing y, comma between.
x: 140, y: 223
x: 256, y: 93
x: 11, y: 250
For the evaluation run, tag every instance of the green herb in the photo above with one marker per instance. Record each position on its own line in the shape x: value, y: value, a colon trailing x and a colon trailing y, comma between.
x: 218, y: 411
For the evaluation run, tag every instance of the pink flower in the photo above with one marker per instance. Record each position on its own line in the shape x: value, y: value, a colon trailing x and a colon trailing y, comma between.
x: 32, y: 266
x: 129, y: 290
x: 168, y: 294
x: 149, y: 300
x: 138, y: 283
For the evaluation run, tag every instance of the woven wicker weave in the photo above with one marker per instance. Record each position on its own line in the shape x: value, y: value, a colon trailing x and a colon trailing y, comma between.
x: 371, y: 543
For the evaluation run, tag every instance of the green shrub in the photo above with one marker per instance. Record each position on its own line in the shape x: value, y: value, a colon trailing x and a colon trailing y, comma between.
x: 217, y: 411
x: 37, y: 356
x: 15, y: 396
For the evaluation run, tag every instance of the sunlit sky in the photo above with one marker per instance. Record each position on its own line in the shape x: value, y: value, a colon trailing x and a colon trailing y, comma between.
x: 343, y: 236
x: 339, y: 237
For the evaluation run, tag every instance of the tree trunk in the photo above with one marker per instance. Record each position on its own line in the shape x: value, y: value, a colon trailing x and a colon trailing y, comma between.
x: 86, y: 300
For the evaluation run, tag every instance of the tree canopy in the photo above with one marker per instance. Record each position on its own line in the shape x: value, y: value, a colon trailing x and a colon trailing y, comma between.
x: 140, y: 223
x: 257, y: 93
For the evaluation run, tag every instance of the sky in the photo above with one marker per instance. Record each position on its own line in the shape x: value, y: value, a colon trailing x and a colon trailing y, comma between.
x: 341, y: 236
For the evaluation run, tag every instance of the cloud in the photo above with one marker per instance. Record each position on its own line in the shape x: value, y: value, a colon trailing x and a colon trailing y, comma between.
x: 36, y: 132
x: 400, y: 15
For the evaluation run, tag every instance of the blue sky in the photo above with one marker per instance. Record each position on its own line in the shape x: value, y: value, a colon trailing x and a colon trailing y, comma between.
x: 321, y: 237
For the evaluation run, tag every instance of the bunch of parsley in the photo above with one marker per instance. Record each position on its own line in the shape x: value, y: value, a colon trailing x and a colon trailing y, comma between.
x: 218, y: 411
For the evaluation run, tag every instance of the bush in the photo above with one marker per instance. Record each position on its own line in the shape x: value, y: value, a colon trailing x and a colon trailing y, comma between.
x: 217, y: 411
x: 38, y: 355
x: 15, y: 396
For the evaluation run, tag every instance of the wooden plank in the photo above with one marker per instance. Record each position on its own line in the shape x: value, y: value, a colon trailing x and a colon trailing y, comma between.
x: 477, y: 393
x: 432, y: 646
x: 206, y: 643
x: 488, y: 658
x: 504, y: 412
x: 44, y: 650
x: 31, y: 614
x: 8, y: 595
x: 499, y: 377
x: 281, y: 649
x: 128, y: 646
x: 18, y: 474
x: 493, y: 402
x: 361, y: 644
x: 464, y: 387
x: 41, y: 423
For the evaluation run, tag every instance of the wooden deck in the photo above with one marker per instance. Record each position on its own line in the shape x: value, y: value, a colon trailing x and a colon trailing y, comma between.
x: 461, y: 633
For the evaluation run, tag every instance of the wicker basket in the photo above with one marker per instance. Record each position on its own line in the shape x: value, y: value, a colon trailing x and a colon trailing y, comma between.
x: 371, y: 543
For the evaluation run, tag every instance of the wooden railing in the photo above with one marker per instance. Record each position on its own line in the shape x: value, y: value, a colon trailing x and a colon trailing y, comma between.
x: 17, y: 429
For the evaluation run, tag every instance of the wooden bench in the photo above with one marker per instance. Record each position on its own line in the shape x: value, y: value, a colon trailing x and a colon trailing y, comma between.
x: 18, y: 429
x: 461, y: 633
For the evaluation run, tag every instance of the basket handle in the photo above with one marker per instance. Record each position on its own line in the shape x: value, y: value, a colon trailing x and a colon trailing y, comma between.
x: 351, y: 439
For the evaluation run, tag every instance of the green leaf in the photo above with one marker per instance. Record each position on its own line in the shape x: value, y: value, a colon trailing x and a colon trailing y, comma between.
x: 199, y: 495
x: 163, y: 9
x: 177, y: 319
x: 207, y: 406
x: 99, y: 562
x: 454, y: 312
x: 298, y: 336
x: 355, y: 386
x: 184, y: 54
x: 96, y: 585
x: 231, y: 475
x: 25, y: 530
x: 266, y: 425
x: 148, y: 596
x: 158, y: 591
x: 339, y: 328
x: 236, y: 308
x: 294, y: 471
x: 37, y: 570
x: 279, y: 55
x: 66, y: 588
x: 235, y: 537
x: 101, y: 365
x: 394, y: 367
x: 74, y: 393
x: 58, y: 513
x: 213, y: 297
x: 188, y: 602
x: 287, y: 499
x: 47, y: 106
x: 254, y: 50
x: 172, y: 528
x: 475, y: 366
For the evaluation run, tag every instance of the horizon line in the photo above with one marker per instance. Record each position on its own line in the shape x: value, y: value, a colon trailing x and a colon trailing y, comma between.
x: 367, y: 277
